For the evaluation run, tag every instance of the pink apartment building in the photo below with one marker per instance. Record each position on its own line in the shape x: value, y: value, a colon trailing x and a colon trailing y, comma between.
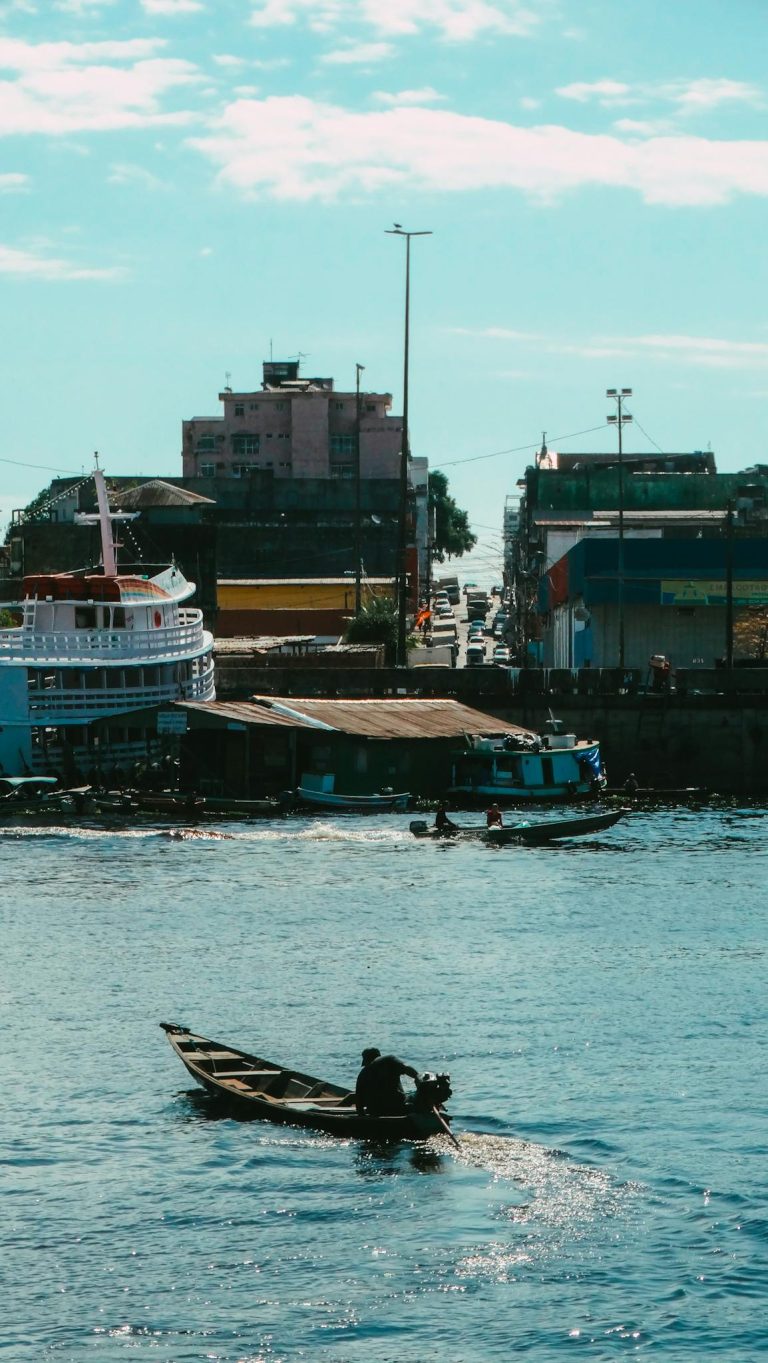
x: 295, y: 427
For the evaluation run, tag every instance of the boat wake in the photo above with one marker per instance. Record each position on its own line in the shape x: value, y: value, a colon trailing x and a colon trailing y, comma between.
x: 548, y: 1204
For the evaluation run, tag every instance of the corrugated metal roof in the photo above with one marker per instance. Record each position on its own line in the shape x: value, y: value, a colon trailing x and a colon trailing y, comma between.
x: 402, y: 718
x: 156, y: 492
x: 259, y: 643
x: 303, y: 582
x: 242, y: 712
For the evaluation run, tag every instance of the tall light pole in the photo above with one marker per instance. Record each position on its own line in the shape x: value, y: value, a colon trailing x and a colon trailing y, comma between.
x: 405, y: 453
x: 620, y: 419
x: 358, y: 532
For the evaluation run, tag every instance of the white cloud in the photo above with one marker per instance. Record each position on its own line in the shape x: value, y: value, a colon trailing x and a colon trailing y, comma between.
x: 453, y: 20
x: 686, y: 96
x: 358, y: 54
x: 606, y: 91
x: 171, y: 6
x: 61, y: 88
x: 709, y: 351
x: 82, y: 6
x: 227, y: 60
x: 123, y: 173
x: 293, y: 148
x: 698, y: 96
x: 28, y: 265
x: 426, y: 95
x: 11, y: 182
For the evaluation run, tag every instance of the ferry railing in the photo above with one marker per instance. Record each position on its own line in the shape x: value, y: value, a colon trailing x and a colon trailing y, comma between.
x: 56, y: 705
x: 84, y: 645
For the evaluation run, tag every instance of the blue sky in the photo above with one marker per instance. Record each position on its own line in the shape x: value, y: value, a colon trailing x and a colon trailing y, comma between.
x: 185, y: 182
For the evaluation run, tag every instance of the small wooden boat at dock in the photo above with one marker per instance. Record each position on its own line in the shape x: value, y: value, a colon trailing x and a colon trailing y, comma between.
x: 254, y: 1088
x: 547, y: 830
x: 222, y: 807
x: 382, y: 803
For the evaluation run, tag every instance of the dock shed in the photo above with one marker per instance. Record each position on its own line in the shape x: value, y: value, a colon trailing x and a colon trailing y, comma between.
x: 268, y: 744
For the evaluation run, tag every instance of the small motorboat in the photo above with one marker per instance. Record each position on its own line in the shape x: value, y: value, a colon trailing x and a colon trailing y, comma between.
x: 381, y: 803
x: 167, y: 803
x: 31, y: 795
x: 222, y: 807
x: 251, y: 1087
x: 547, y: 830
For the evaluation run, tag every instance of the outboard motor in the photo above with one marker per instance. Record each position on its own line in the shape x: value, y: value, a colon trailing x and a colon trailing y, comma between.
x: 432, y: 1090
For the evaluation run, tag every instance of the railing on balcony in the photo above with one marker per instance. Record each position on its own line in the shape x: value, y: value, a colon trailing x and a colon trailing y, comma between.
x: 70, y: 647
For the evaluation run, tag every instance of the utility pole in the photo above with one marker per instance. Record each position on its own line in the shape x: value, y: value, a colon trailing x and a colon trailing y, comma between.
x: 729, y: 587
x: 619, y: 395
x: 405, y: 454
x: 358, y: 528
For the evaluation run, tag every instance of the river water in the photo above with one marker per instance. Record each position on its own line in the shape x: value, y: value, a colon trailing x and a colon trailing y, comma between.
x: 601, y: 1007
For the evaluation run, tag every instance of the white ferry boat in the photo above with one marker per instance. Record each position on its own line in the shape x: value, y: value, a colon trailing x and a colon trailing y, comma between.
x: 97, y: 645
x: 553, y: 766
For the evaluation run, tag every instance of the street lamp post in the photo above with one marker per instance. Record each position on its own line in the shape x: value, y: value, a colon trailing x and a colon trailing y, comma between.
x: 358, y: 530
x: 620, y: 419
x: 405, y: 453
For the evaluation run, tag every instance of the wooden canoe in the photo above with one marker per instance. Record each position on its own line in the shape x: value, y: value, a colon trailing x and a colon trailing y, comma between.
x: 353, y: 804
x: 253, y: 1088
x: 548, y: 830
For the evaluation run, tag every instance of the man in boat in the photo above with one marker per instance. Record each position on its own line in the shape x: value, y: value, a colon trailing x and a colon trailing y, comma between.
x: 442, y: 823
x: 378, y: 1092
x: 493, y: 817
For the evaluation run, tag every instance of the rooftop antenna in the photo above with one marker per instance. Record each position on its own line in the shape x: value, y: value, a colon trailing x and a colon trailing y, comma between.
x: 270, y: 350
x: 227, y: 381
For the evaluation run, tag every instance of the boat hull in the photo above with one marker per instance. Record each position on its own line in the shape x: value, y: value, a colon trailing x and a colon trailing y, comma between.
x: 250, y: 1092
x: 353, y: 804
x: 549, y: 830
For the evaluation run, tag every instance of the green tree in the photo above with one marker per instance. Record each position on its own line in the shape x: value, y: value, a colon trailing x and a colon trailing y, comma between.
x: 453, y: 536
x: 376, y: 624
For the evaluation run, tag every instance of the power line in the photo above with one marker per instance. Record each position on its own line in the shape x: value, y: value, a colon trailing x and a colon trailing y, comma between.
x: 647, y: 436
x: 520, y: 449
x: 48, y: 468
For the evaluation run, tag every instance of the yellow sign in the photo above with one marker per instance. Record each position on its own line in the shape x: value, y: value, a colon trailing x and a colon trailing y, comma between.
x: 702, y: 592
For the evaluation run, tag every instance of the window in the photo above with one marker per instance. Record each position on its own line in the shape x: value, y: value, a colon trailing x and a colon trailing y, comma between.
x: 253, y: 406
x: 245, y: 446
x: 284, y: 464
x: 342, y: 470
x: 239, y: 409
x: 370, y: 406
x: 339, y: 406
x: 205, y: 442
x: 242, y: 470
x: 207, y: 470
x: 342, y: 444
x: 279, y: 406
x: 85, y: 617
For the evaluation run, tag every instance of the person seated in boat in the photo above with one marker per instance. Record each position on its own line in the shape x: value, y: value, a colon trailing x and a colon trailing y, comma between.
x: 378, y: 1092
x: 442, y: 823
x: 493, y: 817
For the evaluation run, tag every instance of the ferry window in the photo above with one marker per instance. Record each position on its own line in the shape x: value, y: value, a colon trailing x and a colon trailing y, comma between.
x: 85, y: 617
x: 546, y: 771
x: 361, y: 759
x: 118, y: 617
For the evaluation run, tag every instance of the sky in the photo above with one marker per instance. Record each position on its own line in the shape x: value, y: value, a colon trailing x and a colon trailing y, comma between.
x: 189, y: 186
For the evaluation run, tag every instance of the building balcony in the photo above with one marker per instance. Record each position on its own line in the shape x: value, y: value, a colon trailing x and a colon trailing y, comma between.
x: 70, y: 648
